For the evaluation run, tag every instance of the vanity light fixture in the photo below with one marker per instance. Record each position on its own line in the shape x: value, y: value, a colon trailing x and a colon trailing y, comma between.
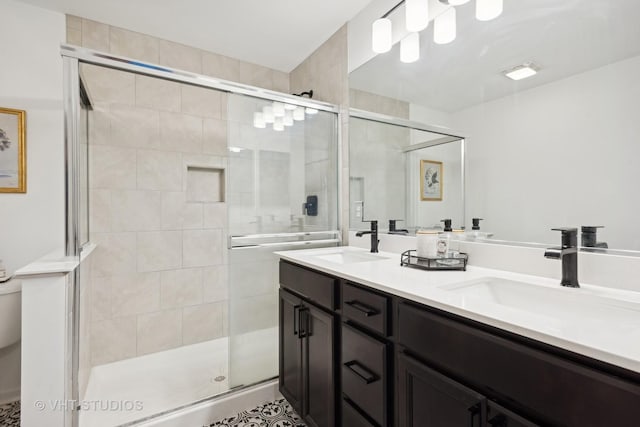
x: 523, y: 71
x: 444, y: 27
x: 417, y: 15
x: 267, y: 113
x: 486, y: 10
x: 258, y: 120
x: 287, y: 120
x: 381, y: 35
x: 410, y: 48
x: 235, y: 149
x: 311, y: 111
x: 278, y: 124
x: 278, y: 109
x: 417, y: 19
x: 298, y: 114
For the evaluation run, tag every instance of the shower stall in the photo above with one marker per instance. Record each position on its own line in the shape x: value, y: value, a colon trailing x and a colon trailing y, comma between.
x: 187, y: 194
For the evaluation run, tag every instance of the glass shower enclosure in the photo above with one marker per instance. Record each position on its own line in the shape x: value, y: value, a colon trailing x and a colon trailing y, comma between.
x: 187, y: 197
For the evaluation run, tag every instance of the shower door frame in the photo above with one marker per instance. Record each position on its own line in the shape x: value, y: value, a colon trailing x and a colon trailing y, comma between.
x: 72, y: 57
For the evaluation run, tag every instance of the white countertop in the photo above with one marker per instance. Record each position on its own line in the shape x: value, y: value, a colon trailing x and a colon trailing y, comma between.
x: 598, y: 338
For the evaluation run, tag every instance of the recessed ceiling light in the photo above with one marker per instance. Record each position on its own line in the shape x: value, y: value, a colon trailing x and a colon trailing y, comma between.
x: 522, y: 71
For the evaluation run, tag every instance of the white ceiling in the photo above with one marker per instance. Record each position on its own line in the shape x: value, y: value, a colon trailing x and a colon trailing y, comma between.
x: 277, y: 34
x: 563, y: 37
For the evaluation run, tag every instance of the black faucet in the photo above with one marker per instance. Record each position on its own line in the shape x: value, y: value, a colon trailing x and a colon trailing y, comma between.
x: 394, y: 230
x: 568, y: 253
x: 374, y: 235
x: 590, y: 238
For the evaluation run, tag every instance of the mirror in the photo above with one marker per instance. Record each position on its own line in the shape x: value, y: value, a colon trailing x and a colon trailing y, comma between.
x: 400, y: 173
x: 556, y: 149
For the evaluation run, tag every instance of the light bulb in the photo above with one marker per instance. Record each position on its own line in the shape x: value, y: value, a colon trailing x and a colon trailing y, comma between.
x: 298, y: 114
x: 486, y: 10
x: 381, y: 35
x: 458, y: 2
x: 267, y: 114
x: 417, y: 15
x: 288, y: 118
x: 410, y: 48
x: 278, y: 124
x: 289, y: 107
x: 311, y: 111
x: 258, y: 120
x: 278, y: 109
x: 444, y: 27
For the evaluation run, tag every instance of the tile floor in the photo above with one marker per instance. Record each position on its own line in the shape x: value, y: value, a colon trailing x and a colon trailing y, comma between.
x: 273, y: 414
x: 10, y: 414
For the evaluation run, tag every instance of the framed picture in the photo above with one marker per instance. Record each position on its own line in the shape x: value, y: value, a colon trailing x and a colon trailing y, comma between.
x: 430, y: 180
x: 13, y: 163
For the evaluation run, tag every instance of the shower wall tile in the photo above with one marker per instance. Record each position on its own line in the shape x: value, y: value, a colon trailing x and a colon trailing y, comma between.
x: 215, y: 215
x: 181, y: 288
x: 215, y: 284
x: 135, y: 294
x: 263, y: 309
x: 159, y: 170
x: 112, y: 340
x: 214, y: 137
x: 199, y: 101
x: 112, y: 167
x: 181, y: 132
x: 133, y: 45
x: 203, y: 322
x: 220, y: 66
x: 159, y: 250
x: 177, y: 214
x: 132, y: 126
x: 159, y: 331
x: 179, y: 56
x: 157, y: 94
x: 280, y: 81
x: 95, y: 35
x: 203, y: 248
x: 74, y: 36
x: 100, y: 210
x: 100, y: 299
x: 115, y: 254
x: 100, y: 125
x: 107, y: 85
x: 73, y: 22
x: 255, y: 75
x: 135, y: 210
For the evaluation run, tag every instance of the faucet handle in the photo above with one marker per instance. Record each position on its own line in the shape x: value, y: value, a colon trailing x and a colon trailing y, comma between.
x: 569, y: 236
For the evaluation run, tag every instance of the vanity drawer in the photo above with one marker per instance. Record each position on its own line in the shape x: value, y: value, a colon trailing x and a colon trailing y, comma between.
x: 365, y: 372
x: 310, y: 284
x: 539, y: 384
x: 366, y: 308
x: 351, y: 417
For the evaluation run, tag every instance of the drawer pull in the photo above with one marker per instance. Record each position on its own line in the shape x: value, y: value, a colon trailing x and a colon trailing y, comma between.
x: 296, y: 319
x: 361, y: 372
x: 473, y: 411
x: 303, y: 322
x: 363, y: 308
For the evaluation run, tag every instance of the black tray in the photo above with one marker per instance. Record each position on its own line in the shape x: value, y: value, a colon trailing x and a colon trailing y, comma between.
x: 411, y: 259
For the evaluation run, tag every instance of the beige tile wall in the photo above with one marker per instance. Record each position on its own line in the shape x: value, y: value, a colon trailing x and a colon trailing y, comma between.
x: 159, y: 272
x: 106, y: 38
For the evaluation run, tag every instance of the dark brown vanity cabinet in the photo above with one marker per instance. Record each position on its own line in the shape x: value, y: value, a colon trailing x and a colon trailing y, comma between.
x: 307, y: 352
x: 352, y: 356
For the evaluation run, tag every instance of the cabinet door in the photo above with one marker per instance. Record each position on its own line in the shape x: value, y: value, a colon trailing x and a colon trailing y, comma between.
x: 427, y: 398
x: 499, y: 416
x: 290, y: 350
x: 319, y: 367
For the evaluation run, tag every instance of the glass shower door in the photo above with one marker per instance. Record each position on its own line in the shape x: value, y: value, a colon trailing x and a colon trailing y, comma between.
x: 282, y: 194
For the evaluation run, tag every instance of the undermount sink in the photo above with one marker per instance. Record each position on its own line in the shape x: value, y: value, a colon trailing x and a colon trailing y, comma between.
x: 547, y: 301
x: 350, y: 257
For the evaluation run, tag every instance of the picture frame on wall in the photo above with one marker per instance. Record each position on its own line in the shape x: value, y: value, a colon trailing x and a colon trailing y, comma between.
x: 431, y: 174
x: 13, y: 162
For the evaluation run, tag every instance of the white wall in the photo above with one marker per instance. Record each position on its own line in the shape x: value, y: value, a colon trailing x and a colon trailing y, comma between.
x: 562, y: 154
x: 32, y: 224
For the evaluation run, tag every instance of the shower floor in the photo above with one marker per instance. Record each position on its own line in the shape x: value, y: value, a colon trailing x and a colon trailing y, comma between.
x: 137, y: 388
